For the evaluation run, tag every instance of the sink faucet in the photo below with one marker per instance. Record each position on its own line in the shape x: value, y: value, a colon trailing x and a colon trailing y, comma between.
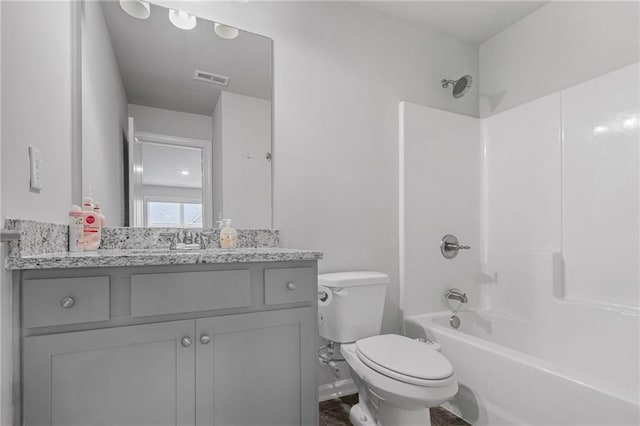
x: 175, y: 239
x: 455, y: 294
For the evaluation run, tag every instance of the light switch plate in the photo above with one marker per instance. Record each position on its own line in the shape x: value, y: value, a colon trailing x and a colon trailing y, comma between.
x: 35, y: 165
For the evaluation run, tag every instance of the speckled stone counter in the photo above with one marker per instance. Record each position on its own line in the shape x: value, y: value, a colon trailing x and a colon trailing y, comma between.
x: 44, y: 245
x: 151, y: 257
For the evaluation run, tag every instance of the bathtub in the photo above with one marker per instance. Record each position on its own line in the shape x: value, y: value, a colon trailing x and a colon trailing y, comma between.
x: 506, y: 377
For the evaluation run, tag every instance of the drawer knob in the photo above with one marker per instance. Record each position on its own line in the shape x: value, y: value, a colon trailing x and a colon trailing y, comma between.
x: 67, y: 302
x: 291, y: 286
x: 205, y: 339
x: 186, y: 341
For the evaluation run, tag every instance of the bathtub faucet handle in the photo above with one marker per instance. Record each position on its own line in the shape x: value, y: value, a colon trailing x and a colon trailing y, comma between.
x: 450, y: 246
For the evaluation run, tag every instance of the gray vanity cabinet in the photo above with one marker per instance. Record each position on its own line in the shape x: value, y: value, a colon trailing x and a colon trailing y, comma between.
x: 254, y: 369
x: 224, y: 345
x: 134, y: 375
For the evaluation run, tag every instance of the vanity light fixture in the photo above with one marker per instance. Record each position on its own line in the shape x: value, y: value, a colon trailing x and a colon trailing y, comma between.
x: 139, y: 9
x: 225, y: 31
x: 182, y: 19
x: 185, y: 173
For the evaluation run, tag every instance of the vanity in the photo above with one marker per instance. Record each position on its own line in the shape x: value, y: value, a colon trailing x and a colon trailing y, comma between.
x: 154, y: 337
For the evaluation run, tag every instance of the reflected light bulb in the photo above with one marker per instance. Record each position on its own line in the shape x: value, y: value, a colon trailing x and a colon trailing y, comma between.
x: 182, y: 19
x: 225, y: 31
x: 139, y: 9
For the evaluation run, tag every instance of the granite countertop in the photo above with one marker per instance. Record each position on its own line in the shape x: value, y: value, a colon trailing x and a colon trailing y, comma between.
x: 157, y: 257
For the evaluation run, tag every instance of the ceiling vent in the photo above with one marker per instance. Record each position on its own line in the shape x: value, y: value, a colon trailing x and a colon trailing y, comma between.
x: 209, y: 77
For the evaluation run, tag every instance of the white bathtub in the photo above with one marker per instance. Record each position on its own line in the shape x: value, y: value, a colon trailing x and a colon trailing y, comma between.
x: 507, y: 377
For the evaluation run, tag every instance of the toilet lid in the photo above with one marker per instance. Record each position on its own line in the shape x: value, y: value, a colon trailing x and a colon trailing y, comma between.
x: 403, y: 358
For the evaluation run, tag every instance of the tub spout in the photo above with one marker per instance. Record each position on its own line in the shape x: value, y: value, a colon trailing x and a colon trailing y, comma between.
x: 455, y: 294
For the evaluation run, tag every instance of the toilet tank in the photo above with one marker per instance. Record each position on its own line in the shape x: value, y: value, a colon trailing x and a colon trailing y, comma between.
x: 350, y: 304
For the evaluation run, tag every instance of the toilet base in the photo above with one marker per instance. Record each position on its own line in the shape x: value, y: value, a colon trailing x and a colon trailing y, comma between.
x: 361, y: 417
x: 389, y: 416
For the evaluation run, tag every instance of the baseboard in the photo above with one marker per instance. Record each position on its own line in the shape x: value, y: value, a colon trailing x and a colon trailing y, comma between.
x: 336, y: 389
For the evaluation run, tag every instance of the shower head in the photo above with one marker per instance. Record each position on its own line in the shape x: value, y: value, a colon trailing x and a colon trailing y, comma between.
x: 460, y: 86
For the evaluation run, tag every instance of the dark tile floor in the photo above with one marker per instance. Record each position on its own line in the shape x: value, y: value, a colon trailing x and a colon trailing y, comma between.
x: 335, y: 412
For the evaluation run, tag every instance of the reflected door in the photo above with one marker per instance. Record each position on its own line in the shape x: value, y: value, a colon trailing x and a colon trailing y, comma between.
x: 172, y: 183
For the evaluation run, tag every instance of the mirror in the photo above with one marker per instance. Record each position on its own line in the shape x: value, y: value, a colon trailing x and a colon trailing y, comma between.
x: 176, y: 117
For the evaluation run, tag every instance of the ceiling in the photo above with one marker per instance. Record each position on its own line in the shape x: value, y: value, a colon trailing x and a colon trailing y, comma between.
x: 470, y: 21
x: 157, y: 61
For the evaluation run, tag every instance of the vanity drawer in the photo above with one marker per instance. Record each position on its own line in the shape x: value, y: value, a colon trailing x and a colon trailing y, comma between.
x: 47, y: 302
x: 172, y: 293
x: 289, y: 285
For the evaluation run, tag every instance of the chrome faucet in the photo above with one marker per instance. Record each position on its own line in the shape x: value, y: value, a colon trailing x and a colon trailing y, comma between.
x: 175, y: 239
x: 188, y: 237
x: 455, y: 294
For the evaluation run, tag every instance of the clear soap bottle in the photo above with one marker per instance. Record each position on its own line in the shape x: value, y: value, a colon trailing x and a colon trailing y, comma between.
x: 228, y: 235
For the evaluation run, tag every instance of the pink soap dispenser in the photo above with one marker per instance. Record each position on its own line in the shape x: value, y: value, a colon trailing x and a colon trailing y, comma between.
x: 92, y: 228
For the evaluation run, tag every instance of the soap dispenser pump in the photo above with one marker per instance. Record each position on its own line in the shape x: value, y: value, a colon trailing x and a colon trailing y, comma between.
x: 228, y: 235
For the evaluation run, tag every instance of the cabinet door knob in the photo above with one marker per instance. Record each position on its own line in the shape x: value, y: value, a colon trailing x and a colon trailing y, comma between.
x: 186, y: 341
x: 67, y: 302
x: 291, y: 286
x: 205, y: 338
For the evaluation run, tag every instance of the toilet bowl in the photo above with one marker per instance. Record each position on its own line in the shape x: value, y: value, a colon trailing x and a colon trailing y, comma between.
x: 398, y: 380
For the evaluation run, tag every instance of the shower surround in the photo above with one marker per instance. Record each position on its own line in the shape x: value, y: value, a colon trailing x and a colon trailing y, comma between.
x: 547, y: 195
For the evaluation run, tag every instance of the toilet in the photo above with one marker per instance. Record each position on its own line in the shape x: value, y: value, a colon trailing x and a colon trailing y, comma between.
x: 398, y: 379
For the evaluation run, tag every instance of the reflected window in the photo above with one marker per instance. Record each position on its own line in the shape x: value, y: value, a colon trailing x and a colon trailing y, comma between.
x: 167, y: 214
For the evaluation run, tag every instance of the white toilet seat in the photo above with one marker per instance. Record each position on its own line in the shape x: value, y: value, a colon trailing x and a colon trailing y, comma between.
x: 402, y: 394
x: 404, y: 359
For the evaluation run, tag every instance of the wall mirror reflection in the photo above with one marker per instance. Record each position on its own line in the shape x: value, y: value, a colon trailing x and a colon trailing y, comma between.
x: 176, y: 117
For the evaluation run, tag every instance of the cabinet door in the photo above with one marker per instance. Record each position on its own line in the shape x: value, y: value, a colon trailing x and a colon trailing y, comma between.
x: 257, y: 369
x: 137, y: 375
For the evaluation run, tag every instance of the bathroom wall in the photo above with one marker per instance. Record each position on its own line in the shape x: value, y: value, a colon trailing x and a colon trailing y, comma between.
x: 36, y: 110
x: 242, y: 128
x: 104, y: 116
x: 36, y: 107
x: 440, y: 157
x: 561, y: 44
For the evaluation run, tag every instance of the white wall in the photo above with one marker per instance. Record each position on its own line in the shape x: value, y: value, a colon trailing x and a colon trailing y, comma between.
x: 104, y: 117
x: 244, y: 189
x: 36, y: 108
x: 170, y: 123
x: 561, y: 44
x: 440, y: 194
